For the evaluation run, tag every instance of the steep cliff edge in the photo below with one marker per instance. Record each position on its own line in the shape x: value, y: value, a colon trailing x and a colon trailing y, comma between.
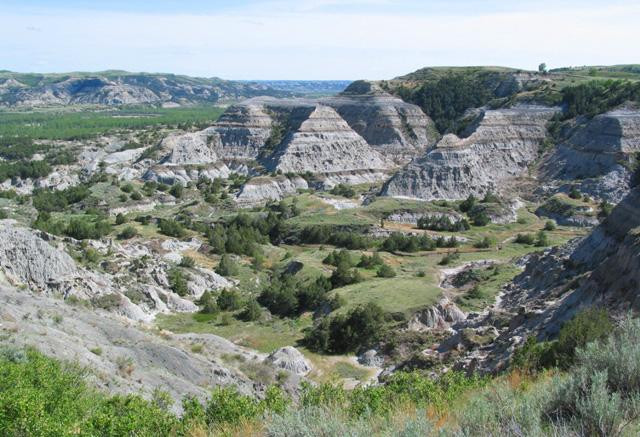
x: 500, y: 147
x: 598, y: 155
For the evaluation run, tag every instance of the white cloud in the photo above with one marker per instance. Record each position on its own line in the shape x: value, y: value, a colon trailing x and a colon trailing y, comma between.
x: 300, y: 44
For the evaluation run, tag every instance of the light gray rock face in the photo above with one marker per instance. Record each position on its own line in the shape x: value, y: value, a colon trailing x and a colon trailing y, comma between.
x: 123, y: 357
x: 324, y: 143
x: 597, y: 155
x: 440, y: 316
x: 289, y: 358
x: 398, y: 130
x: 27, y: 259
x: 189, y: 148
x: 262, y: 189
x: 499, y: 148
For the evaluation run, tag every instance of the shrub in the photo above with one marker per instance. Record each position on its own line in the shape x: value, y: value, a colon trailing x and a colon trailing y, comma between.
x: 136, y: 196
x: 467, y: 204
x: 370, y: 262
x: 251, y: 311
x: 227, y: 266
x: 229, y: 300
x: 442, y: 223
x: 187, y: 262
x: 127, y: 233
x: 171, y: 228
x: 106, y: 301
x: 343, y: 190
x: 483, y: 244
x: 386, y: 271
x: 574, y: 193
x: 337, y: 257
x: 208, y: 303
x: 347, y: 332
x: 176, y: 190
x: 343, y: 275
x: 127, y: 188
x: 550, y: 225
x: 449, y: 258
x: 177, y: 281
x: 542, y: 239
x: 120, y: 219
x: 525, y: 239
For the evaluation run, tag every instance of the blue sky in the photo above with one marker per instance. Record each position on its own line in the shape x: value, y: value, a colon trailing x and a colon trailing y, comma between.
x: 312, y: 39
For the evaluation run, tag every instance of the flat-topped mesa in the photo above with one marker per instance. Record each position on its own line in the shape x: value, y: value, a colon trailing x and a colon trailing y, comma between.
x: 598, y: 155
x: 501, y: 145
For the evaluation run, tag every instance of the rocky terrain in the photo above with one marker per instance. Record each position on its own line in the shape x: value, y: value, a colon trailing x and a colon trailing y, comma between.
x: 598, y: 155
x: 498, y: 148
x: 121, y: 88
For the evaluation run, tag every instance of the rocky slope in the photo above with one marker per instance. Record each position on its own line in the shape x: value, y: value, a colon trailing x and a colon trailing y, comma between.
x: 121, y: 88
x: 602, y: 269
x: 499, y: 147
x: 134, y: 283
x: 597, y: 155
x: 262, y: 189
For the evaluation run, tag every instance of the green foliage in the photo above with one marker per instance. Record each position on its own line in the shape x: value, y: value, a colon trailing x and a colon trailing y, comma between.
x: 479, y: 216
x: 48, y: 200
x: 343, y: 190
x: 24, y: 169
x: 442, y: 223
x: 586, y: 327
x: 72, y: 125
x: 344, y: 275
x: 120, y: 219
x: 251, y: 311
x: 542, y: 240
x: 289, y: 296
x: 84, y: 228
x: 171, y: 228
x: 176, y: 190
x: 550, y: 225
x: 386, y: 271
x: 337, y: 257
x: 449, y: 258
x: 370, y: 262
x: 41, y: 397
x: 347, y: 332
x: 447, y: 98
x: 597, y: 96
x: 319, y: 234
x: 187, y: 262
x: 127, y: 233
x: 467, y: 204
x: 605, y: 209
x: 229, y: 300
x: 208, y: 303
x: 408, y: 243
x: 227, y: 266
x: 177, y: 281
x: 485, y: 243
x: 525, y: 239
x: 575, y: 194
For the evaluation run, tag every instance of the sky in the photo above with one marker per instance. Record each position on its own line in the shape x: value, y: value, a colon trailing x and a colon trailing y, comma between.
x: 313, y: 39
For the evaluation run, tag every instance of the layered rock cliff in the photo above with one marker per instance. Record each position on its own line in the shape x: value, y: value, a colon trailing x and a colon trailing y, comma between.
x: 597, y: 156
x: 500, y: 146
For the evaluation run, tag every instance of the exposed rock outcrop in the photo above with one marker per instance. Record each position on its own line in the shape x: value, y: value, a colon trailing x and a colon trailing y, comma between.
x: 289, y: 358
x: 262, y: 189
x: 499, y: 148
x: 601, y: 269
x: 597, y: 156
x: 440, y: 316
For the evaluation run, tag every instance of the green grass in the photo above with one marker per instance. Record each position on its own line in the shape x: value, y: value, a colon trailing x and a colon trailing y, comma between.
x: 66, y: 125
x: 263, y: 336
x: 347, y: 370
